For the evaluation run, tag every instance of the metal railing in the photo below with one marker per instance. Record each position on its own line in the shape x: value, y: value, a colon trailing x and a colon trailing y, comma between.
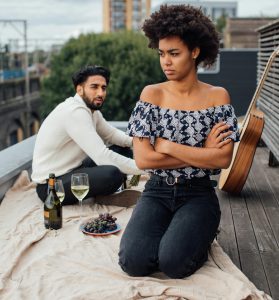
x: 18, y: 157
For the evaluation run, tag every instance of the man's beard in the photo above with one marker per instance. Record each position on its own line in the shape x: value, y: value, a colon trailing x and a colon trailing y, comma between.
x: 91, y: 105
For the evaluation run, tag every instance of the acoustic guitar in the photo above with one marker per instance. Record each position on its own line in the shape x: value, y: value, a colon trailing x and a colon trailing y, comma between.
x: 234, y: 177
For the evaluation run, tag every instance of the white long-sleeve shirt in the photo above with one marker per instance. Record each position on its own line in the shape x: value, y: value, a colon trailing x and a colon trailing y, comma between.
x: 69, y: 134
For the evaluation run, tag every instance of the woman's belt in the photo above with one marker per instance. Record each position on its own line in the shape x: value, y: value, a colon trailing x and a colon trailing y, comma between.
x: 196, y: 181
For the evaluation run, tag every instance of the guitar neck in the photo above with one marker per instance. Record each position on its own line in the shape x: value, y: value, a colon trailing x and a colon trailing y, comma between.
x: 260, y: 85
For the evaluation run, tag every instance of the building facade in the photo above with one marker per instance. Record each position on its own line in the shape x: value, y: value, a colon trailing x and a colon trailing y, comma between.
x: 124, y: 14
x: 17, y: 121
x: 242, y: 32
x: 214, y: 9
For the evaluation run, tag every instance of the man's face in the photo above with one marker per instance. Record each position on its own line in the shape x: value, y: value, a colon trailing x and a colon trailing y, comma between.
x: 93, y: 91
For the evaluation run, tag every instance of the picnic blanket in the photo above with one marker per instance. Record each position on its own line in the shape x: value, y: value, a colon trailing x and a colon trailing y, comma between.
x: 36, y: 263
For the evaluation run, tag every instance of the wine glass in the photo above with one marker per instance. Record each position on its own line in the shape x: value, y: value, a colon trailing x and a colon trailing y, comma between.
x: 80, y: 188
x: 59, y: 188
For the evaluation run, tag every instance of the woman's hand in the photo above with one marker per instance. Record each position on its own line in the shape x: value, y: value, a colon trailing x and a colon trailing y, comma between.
x: 215, y: 139
x: 161, y: 145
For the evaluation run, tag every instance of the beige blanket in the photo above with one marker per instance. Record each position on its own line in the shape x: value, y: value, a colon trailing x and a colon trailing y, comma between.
x: 36, y: 263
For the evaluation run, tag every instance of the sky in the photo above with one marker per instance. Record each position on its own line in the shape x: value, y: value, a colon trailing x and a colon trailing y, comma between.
x: 55, y: 21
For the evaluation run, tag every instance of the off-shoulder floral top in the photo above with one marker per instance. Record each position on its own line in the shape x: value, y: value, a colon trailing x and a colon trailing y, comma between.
x: 186, y: 127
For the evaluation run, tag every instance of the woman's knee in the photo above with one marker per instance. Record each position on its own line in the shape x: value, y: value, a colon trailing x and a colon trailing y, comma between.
x: 175, y: 267
x: 132, y: 265
x: 136, y: 261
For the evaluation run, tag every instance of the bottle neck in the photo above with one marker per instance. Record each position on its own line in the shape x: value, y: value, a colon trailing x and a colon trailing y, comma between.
x: 51, y: 183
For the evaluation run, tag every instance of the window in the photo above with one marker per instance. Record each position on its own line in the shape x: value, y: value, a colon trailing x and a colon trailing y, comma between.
x: 13, y: 138
x: 15, y: 134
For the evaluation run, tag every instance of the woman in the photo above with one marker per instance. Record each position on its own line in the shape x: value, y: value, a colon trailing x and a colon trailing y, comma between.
x: 183, y: 132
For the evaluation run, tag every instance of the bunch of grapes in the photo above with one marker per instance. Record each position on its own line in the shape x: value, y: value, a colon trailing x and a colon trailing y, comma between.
x: 105, y: 222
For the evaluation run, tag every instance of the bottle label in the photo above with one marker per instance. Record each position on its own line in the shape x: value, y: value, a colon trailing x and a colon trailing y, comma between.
x: 55, y: 219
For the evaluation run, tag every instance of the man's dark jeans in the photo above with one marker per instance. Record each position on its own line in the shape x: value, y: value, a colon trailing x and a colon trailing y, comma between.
x: 103, y: 180
x: 171, y: 230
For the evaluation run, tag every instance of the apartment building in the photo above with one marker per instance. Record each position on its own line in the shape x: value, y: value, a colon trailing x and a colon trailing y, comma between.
x: 124, y: 14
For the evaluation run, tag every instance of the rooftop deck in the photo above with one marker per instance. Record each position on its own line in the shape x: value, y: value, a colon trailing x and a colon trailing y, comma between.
x: 250, y: 225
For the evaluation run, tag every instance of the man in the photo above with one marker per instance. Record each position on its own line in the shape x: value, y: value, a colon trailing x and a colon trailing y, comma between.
x: 74, y: 138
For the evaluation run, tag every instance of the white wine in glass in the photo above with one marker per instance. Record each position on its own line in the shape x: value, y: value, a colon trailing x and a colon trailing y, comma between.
x: 80, y: 188
x: 59, y: 188
x: 80, y: 191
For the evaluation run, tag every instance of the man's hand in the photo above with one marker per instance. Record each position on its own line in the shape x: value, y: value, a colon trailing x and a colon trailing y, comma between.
x: 215, y: 139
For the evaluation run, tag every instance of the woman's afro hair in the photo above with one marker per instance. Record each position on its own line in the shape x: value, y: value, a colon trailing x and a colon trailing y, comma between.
x: 188, y: 23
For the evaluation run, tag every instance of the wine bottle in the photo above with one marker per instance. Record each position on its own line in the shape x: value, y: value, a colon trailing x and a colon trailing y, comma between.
x: 52, y: 206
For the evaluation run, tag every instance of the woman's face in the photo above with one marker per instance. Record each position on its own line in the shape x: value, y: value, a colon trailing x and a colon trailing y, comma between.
x: 176, y: 60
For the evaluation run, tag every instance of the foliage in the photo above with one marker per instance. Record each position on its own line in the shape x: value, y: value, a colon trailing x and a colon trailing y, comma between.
x: 221, y: 23
x: 132, y: 64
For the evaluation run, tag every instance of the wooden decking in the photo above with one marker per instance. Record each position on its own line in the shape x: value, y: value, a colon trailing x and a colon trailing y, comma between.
x: 250, y: 225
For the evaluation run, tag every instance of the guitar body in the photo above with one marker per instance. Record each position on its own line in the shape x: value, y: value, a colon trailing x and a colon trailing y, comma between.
x: 233, y: 179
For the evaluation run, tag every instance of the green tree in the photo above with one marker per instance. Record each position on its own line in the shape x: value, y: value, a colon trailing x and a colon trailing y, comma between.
x: 221, y: 23
x: 132, y: 64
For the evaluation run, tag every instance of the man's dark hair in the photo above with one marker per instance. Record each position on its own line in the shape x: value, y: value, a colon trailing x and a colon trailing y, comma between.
x: 187, y: 22
x: 81, y: 75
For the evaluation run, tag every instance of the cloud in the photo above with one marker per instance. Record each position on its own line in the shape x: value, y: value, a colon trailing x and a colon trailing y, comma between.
x: 55, y: 18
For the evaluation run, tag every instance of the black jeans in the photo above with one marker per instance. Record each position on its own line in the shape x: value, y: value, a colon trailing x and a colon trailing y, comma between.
x: 171, y: 229
x: 103, y: 180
